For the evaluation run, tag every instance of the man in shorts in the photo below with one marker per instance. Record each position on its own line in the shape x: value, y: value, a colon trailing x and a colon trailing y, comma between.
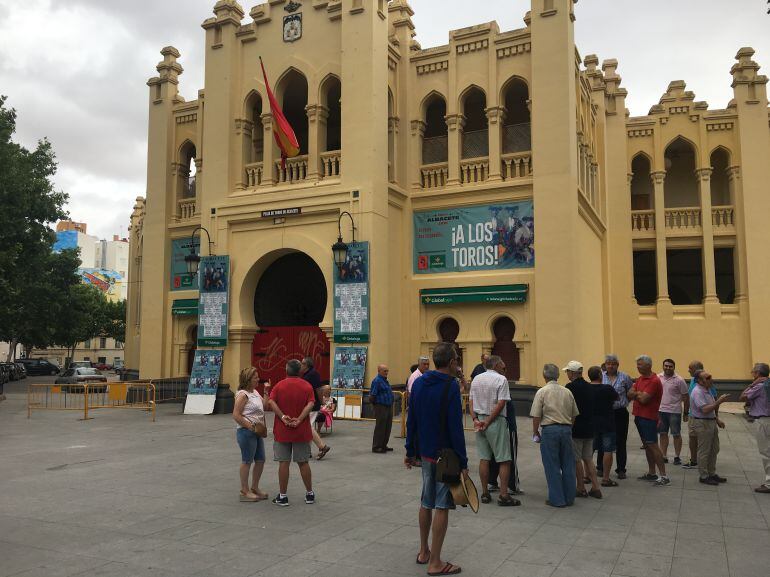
x: 424, y: 439
x: 583, y: 430
x: 646, y: 394
x: 292, y: 400
x: 488, y: 397
x: 675, y: 395
x: 605, y: 440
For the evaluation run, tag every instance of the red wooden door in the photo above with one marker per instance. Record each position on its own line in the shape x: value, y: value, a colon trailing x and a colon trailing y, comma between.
x: 273, y: 347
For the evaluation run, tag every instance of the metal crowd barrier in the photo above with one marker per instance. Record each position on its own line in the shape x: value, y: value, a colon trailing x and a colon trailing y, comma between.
x: 353, y: 405
x: 171, y: 390
x: 85, y: 397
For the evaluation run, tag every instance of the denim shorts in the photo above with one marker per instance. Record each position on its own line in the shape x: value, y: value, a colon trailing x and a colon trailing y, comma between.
x: 435, y: 495
x: 606, y: 442
x: 252, y: 446
x: 671, y: 421
x: 648, y: 430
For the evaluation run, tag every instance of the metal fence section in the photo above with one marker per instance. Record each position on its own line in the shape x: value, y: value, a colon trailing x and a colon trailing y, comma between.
x: 435, y: 149
x: 517, y: 137
x: 354, y: 405
x: 475, y: 144
x: 85, y: 397
x: 171, y: 390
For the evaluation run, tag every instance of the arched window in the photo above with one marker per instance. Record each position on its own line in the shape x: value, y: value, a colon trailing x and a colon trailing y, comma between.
x: 504, y: 330
x: 517, y: 127
x: 331, y: 97
x: 292, y: 94
x: 187, y: 170
x: 434, y: 143
x: 253, y: 139
x: 720, y: 180
x: 476, y: 132
x: 642, y: 190
x: 448, y: 330
x: 681, y: 184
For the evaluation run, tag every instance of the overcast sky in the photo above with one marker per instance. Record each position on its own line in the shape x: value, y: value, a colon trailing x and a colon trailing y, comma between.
x: 75, y: 70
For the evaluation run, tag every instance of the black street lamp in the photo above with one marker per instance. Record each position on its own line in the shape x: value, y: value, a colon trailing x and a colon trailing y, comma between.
x: 339, y: 248
x: 193, y: 259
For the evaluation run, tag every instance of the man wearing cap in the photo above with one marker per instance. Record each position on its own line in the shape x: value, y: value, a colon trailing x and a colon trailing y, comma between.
x: 758, y: 394
x: 488, y: 398
x: 553, y: 412
x: 583, y: 430
x: 646, y: 394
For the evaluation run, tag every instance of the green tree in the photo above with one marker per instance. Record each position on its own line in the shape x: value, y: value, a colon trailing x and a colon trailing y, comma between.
x: 83, y: 317
x: 115, y: 320
x: 27, y: 267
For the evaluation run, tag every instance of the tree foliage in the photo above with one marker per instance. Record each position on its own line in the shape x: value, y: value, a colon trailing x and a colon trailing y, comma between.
x: 34, y: 281
x: 83, y: 317
x: 115, y: 320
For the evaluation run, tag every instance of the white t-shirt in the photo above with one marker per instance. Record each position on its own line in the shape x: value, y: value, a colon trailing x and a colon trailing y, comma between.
x: 254, y: 410
x: 487, y: 389
x: 412, y: 378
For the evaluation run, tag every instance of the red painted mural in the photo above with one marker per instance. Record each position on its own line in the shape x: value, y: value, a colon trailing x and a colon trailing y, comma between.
x: 273, y: 347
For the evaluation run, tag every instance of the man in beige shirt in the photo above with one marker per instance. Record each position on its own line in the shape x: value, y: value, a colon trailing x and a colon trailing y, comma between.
x: 553, y: 413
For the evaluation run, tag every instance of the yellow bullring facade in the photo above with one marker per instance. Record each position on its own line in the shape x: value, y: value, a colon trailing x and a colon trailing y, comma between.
x: 509, y: 202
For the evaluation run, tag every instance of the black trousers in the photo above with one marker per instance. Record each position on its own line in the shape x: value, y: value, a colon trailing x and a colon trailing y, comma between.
x: 383, y: 423
x: 494, y: 468
x: 621, y: 431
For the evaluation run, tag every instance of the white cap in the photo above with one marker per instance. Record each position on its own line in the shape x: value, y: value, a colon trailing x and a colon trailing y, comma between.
x: 574, y: 366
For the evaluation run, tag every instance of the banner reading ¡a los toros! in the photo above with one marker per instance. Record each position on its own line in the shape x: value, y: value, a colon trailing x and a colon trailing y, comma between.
x: 488, y: 237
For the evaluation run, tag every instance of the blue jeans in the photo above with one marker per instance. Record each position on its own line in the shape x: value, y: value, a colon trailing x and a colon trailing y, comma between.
x: 559, y: 464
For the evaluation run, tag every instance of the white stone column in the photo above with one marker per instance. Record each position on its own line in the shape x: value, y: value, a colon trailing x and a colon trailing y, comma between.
x: 455, y: 124
x: 709, y: 273
x: 268, y: 151
x: 663, y: 300
x: 496, y: 117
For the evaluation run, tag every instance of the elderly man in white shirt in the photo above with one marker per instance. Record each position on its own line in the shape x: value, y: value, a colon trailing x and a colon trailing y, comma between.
x: 488, y: 397
x: 423, y: 364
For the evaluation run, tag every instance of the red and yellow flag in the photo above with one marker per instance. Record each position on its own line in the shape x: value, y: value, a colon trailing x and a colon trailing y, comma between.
x: 282, y: 130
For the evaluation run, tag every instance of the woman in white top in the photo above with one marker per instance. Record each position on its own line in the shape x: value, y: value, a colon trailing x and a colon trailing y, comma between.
x: 249, y: 412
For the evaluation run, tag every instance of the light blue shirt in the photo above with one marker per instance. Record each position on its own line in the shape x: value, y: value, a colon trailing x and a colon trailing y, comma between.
x: 622, y: 385
x: 693, y: 384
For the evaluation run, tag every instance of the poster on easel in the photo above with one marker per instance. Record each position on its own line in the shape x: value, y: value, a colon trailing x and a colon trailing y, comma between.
x: 347, y: 380
x: 351, y: 296
x: 204, y: 381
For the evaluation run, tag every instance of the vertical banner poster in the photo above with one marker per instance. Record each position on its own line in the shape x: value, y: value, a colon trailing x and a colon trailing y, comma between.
x: 351, y: 296
x: 214, y: 273
x: 347, y: 380
x: 204, y: 380
x: 180, y: 278
x: 486, y: 237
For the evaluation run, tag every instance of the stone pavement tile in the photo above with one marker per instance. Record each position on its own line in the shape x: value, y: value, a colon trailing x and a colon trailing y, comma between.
x: 569, y: 572
x: 125, y: 550
x: 332, y: 550
x: 755, y: 566
x: 479, y: 562
x: 189, y: 529
x: 369, y: 531
x: 242, y: 563
x: 16, y: 559
x: 692, y: 515
x: 349, y: 571
x: 707, y: 533
x: 517, y: 569
x: 599, y: 539
x: 222, y: 534
x: 693, y: 546
x: 642, y: 565
x: 115, y: 569
x: 645, y: 542
x: 158, y: 524
x: 540, y: 553
x: 385, y: 557
x: 695, y: 567
x: 555, y: 534
x: 584, y: 559
x: 744, y: 520
x: 184, y: 557
x: 644, y: 526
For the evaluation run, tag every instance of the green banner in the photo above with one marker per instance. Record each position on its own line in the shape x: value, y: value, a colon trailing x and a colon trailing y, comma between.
x: 485, y: 237
x: 180, y: 279
x: 214, y: 274
x: 351, y: 296
x: 185, y: 307
x: 515, y: 293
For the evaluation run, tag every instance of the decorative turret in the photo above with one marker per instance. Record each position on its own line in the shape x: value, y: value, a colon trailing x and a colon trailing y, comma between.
x: 165, y: 85
x: 747, y: 83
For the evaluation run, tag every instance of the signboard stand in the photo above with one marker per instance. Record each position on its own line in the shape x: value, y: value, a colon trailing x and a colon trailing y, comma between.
x: 348, y: 374
x: 351, y: 296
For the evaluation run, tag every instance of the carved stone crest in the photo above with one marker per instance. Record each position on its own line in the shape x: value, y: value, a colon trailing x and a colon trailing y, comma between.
x: 292, y: 6
x: 292, y: 27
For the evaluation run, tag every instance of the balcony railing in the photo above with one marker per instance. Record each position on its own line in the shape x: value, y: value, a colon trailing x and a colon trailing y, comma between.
x: 475, y: 144
x: 434, y: 175
x: 474, y: 170
x: 189, y: 187
x: 186, y: 208
x: 685, y: 219
x: 331, y: 163
x: 517, y: 137
x: 516, y: 165
x: 723, y: 219
x: 254, y: 173
x: 643, y: 221
x: 295, y: 170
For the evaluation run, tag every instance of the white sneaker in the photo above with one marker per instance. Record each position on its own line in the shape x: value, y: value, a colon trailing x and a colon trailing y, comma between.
x: 662, y: 481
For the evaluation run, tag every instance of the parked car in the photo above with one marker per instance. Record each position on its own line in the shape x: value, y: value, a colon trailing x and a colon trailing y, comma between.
x: 81, y: 364
x: 102, y: 366
x: 80, y: 375
x: 39, y: 367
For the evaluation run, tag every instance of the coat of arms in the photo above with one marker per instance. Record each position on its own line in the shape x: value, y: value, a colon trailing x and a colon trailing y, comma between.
x: 292, y: 27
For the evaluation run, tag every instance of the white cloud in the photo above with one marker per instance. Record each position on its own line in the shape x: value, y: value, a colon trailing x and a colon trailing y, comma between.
x: 76, y: 70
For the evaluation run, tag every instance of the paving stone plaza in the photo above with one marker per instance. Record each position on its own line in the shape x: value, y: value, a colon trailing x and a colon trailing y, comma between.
x: 119, y: 495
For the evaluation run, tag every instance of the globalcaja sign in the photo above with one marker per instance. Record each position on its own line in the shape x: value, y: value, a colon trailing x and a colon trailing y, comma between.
x: 484, y: 237
x: 514, y: 293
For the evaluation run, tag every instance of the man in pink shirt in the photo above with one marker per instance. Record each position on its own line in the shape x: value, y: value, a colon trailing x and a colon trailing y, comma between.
x: 423, y: 364
x: 670, y: 413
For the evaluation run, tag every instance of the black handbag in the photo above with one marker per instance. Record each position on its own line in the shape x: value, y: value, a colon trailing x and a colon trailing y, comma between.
x: 447, y: 461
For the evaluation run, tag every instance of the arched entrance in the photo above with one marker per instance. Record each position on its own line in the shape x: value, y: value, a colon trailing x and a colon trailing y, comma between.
x: 289, y: 303
x: 448, y: 330
x: 504, y: 329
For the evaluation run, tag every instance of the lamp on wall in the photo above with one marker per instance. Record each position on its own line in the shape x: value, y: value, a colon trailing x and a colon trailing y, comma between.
x: 193, y: 259
x: 339, y: 248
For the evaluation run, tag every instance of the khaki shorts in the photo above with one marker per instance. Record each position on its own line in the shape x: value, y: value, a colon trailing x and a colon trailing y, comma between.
x: 584, y: 449
x: 298, y: 452
x: 494, y: 442
x: 690, y: 427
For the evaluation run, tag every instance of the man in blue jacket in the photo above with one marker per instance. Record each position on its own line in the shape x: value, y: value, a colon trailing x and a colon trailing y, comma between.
x: 425, y: 436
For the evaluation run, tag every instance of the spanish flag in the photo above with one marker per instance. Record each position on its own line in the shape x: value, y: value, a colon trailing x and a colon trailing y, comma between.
x: 282, y: 130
